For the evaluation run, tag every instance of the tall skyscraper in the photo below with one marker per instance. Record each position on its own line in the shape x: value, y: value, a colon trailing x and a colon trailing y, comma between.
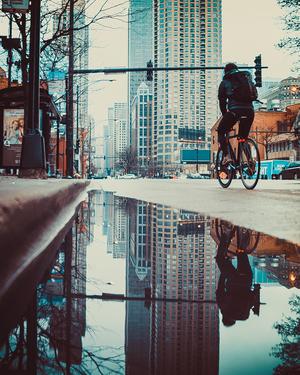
x: 141, y: 126
x: 117, y: 134
x: 140, y: 44
x: 186, y: 33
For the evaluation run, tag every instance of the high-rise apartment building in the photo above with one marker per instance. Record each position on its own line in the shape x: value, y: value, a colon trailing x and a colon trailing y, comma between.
x: 186, y: 33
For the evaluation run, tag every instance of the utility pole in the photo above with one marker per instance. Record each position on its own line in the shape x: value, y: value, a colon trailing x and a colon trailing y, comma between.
x: 77, y: 149
x: 70, y: 103
x: 33, y: 162
x: 90, y: 145
x: 9, y: 58
x: 57, y: 148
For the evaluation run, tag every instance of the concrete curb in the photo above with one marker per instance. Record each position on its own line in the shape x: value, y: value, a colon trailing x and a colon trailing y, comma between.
x: 35, y: 215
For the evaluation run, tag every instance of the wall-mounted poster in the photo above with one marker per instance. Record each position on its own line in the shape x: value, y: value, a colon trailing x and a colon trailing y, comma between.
x: 13, y: 131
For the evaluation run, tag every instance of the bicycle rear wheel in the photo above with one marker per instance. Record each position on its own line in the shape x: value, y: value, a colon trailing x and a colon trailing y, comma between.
x: 224, y: 173
x: 249, y: 163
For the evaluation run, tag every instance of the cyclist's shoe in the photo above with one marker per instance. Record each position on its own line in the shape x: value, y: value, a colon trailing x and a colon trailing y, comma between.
x: 226, y: 160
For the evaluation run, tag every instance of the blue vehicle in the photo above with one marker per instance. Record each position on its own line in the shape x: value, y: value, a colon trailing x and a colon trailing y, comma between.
x: 270, y: 169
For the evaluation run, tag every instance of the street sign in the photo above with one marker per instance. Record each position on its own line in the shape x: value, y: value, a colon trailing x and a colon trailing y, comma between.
x: 15, y: 6
x: 57, y: 86
x: 195, y: 156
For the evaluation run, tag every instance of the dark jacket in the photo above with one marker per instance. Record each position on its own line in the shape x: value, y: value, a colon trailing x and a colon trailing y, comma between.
x: 226, y: 102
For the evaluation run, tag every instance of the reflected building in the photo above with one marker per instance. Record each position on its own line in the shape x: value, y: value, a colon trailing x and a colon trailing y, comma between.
x: 138, y: 277
x: 138, y: 265
x: 183, y: 268
x: 118, y: 227
x: 280, y: 269
x: 68, y: 320
x: 171, y: 337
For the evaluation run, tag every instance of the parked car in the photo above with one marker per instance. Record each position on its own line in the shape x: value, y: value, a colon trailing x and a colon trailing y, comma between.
x: 290, y: 172
x: 128, y: 176
x: 195, y: 175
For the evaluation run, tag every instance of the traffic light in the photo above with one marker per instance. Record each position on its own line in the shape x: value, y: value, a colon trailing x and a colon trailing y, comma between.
x: 258, y: 78
x: 149, y: 71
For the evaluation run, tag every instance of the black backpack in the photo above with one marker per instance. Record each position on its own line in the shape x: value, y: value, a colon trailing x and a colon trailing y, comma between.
x: 243, y: 88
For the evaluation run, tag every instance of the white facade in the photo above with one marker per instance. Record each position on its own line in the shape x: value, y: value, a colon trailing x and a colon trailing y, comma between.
x: 186, y: 33
x: 141, y: 124
x: 118, y: 132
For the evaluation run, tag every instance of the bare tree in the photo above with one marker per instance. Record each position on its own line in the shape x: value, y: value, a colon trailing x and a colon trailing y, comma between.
x: 292, y: 25
x: 55, y: 29
x: 265, y: 138
x: 127, y: 161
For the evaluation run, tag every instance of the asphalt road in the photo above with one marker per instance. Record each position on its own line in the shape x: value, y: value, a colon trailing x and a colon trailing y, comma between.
x: 272, y: 208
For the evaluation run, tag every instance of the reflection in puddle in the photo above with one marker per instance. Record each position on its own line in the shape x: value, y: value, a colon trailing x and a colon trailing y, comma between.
x: 141, y: 288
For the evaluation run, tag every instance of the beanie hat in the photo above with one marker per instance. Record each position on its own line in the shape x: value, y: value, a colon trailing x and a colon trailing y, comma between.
x: 229, y: 67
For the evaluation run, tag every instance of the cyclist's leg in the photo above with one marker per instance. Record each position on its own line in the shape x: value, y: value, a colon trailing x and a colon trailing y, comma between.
x: 246, y: 120
x: 226, y: 123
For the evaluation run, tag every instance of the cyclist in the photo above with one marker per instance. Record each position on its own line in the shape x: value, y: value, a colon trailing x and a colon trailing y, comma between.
x: 235, y: 296
x: 233, y: 109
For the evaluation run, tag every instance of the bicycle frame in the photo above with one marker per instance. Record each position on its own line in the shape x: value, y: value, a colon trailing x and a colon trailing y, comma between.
x: 236, y: 158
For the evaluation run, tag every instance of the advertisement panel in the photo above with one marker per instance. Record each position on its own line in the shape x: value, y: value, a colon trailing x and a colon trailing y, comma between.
x: 15, y: 6
x: 13, y: 131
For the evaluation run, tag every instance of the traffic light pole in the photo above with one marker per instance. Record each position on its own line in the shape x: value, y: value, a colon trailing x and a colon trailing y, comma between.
x: 154, y: 69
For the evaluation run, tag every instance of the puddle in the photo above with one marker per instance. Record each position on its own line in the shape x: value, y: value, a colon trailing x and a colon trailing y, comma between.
x: 140, y: 288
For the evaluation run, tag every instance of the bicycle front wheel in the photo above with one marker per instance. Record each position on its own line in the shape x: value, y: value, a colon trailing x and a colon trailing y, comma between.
x: 249, y: 163
x: 224, y: 173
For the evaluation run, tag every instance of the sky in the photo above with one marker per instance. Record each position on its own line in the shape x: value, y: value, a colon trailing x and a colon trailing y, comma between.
x: 250, y: 27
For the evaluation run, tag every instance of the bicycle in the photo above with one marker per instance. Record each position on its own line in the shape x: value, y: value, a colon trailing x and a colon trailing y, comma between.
x: 241, y: 238
x: 246, y: 163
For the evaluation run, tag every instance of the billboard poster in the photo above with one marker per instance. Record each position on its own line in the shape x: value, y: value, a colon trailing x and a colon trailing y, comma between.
x: 15, y: 6
x: 13, y: 131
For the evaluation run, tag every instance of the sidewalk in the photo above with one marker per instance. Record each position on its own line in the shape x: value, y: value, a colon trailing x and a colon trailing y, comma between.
x: 35, y: 216
x: 272, y: 207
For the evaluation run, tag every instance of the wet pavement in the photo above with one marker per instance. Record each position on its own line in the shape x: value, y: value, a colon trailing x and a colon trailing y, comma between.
x: 143, y: 288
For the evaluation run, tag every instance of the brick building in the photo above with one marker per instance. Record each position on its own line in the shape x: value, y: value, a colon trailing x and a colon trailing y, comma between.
x: 274, y: 133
